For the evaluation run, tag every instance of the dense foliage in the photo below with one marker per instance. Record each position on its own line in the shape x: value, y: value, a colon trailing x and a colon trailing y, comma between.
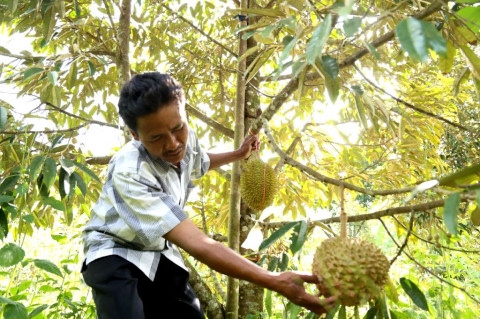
x: 367, y: 105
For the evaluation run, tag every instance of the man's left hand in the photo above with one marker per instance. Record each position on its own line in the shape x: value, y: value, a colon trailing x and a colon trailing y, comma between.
x: 249, y: 145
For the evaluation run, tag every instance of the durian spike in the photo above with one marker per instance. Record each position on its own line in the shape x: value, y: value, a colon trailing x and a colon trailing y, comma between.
x: 343, y: 214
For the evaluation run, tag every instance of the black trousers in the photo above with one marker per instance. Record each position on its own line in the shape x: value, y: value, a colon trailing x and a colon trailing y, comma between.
x: 122, y: 291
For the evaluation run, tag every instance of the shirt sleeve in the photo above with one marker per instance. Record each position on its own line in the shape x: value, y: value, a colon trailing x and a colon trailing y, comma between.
x: 145, y: 208
x: 201, y: 160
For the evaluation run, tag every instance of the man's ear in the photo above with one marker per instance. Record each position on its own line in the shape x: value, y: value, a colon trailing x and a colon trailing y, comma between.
x: 135, y: 136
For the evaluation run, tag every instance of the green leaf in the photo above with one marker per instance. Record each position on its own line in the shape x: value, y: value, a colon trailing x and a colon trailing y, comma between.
x: 417, y: 36
x: 342, y: 313
x: 61, y: 183
x: 293, y: 310
x: 414, y: 293
x: 55, y: 203
x: 6, y: 198
x: 80, y: 183
x: 3, y: 117
x: 7, y: 301
x: 475, y: 216
x: 49, y: 172
x: 268, y: 302
x: 462, y: 176
x: 12, y: 6
x: 331, y: 314
x: 91, y: 68
x: 31, y: 72
x: 286, y: 52
x: 86, y: 170
x: 48, y: 266
x: 273, y: 263
x: 318, y: 40
x: 350, y: 26
x: 3, y: 224
x: 330, y: 66
x: 370, y: 313
x: 9, y: 182
x: 37, y: 311
x: 282, y: 266
x: 11, y: 254
x: 72, y: 184
x: 276, y: 235
x: 372, y: 50
x: 28, y: 218
x: 473, y: 61
x: 361, y: 111
x: 52, y: 77
x: 446, y: 63
x: 56, y: 139
x: 36, y: 167
x: 48, y: 23
x: 299, y: 236
x: 471, y: 16
x: 450, y: 212
x: 78, y: 12
x: 15, y: 311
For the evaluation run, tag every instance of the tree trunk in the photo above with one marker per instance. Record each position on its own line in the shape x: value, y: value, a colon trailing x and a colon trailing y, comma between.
x: 234, y: 217
x: 209, y: 302
x: 250, y: 295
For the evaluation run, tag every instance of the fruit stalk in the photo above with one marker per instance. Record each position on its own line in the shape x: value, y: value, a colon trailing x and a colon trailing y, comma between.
x: 343, y: 214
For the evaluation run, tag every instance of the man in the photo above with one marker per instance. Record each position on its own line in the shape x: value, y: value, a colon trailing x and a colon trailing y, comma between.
x: 132, y: 263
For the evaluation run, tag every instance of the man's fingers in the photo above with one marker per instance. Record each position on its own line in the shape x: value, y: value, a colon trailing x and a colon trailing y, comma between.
x: 311, y: 279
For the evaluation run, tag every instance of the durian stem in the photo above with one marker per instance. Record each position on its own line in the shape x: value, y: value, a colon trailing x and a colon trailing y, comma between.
x: 343, y: 214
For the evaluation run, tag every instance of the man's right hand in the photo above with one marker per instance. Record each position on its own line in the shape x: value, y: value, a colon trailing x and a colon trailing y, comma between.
x: 290, y: 285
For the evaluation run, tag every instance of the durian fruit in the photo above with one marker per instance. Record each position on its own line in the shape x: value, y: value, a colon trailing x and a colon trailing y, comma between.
x: 258, y: 184
x: 353, y: 269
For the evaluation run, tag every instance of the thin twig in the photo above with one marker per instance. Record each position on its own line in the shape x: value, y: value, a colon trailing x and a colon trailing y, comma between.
x: 90, y: 121
x: 46, y: 131
x: 410, y: 227
x: 198, y: 29
x: 107, y: 8
x: 411, y: 106
x: 428, y: 270
x: 466, y: 251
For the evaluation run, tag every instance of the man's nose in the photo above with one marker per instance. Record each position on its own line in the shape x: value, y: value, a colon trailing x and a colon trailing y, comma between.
x: 172, y: 142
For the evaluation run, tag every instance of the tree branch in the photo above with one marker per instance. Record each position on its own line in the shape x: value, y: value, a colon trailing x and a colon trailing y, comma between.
x: 322, y: 178
x: 198, y: 29
x: 81, y: 118
x: 350, y: 60
x: 292, y: 85
x: 210, y: 304
x: 413, y: 107
x: 369, y: 216
x: 212, y: 123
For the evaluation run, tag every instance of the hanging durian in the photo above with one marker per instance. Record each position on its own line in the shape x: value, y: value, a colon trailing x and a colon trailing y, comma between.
x: 352, y: 269
x: 258, y: 184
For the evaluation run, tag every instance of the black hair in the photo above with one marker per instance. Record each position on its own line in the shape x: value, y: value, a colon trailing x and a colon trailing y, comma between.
x: 145, y: 93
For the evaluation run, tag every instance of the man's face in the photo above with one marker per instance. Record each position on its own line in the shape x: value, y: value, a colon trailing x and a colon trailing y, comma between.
x: 164, y: 133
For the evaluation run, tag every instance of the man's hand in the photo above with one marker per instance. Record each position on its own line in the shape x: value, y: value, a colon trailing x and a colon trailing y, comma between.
x: 290, y: 285
x: 249, y: 144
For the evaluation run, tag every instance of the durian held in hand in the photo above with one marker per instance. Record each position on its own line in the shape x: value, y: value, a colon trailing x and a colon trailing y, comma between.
x: 258, y: 184
x: 352, y: 269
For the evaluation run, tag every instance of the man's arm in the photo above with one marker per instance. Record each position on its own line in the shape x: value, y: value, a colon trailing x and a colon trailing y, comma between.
x: 224, y: 260
x: 244, y: 151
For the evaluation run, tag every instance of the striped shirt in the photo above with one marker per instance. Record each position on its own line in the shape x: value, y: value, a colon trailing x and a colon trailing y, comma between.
x: 142, y: 200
